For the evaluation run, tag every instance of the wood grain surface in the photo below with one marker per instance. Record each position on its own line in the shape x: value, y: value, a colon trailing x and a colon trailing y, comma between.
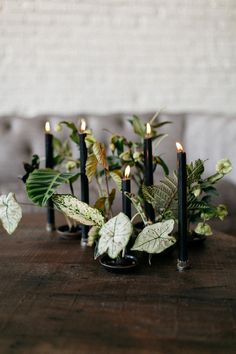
x: 54, y: 298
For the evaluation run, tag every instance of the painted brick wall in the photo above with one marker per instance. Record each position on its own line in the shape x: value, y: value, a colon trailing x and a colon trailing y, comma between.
x: 101, y: 56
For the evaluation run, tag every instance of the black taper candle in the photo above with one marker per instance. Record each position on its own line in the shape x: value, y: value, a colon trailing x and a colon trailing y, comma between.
x: 49, y: 163
x: 148, y: 169
x: 182, y: 262
x: 126, y: 187
x: 83, y: 177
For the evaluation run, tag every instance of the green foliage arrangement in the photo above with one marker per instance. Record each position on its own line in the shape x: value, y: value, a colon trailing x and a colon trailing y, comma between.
x: 110, y: 234
x: 200, y: 195
x: 107, y: 169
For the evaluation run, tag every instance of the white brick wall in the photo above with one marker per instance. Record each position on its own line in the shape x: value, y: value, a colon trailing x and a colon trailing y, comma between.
x: 101, y: 56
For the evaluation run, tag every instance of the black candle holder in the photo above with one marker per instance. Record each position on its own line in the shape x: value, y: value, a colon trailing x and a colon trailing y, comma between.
x: 183, y: 265
x: 49, y: 163
x: 84, y: 183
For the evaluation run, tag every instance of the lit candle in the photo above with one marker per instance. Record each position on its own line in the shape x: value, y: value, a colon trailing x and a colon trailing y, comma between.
x: 84, y: 179
x: 126, y: 203
x: 49, y: 163
x: 182, y: 263
x: 148, y: 168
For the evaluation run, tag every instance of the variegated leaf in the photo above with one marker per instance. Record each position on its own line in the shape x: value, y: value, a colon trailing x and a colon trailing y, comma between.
x: 99, y: 151
x: 10, y: 212
x: 91, y: 166
x: 77, y: 210
x: 155, y: 238
x: 117, y: 178
x: 114, y: 236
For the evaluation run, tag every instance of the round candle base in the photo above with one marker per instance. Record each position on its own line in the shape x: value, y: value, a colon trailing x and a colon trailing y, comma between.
x: 50, y: 227
x: 84, y: 242
x: 183, y: 265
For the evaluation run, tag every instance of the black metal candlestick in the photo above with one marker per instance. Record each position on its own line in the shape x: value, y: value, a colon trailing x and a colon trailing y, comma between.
x: 49, y: 163
x: 126, y: 203
x: 182, y: 263
x: 148, y: 170
x: 84, y: 180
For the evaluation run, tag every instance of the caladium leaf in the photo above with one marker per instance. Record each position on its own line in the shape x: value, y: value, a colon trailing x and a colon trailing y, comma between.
x: 155, y: 238
x: 10, y: 212
x: 77, y: 210
x: 114, y: 236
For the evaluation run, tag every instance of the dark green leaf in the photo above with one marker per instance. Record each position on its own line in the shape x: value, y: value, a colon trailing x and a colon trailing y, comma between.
x: 42, y: 184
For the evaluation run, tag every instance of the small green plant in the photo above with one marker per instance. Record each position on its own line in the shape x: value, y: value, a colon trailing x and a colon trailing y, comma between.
x: 125, y: 151
x: 200, y: 194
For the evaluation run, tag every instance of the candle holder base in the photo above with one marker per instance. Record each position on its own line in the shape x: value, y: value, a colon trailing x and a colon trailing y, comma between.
x: 69, y: 234
x: 50, y: 227
x: 183, y: 265
x: 84, y: 242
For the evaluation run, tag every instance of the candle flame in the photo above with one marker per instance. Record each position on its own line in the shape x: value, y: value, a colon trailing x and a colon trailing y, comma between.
x: 148, y: 129
x: 179, y: 147
x: 82, y: 125
x: 47, y: 127
x: 127, y: 171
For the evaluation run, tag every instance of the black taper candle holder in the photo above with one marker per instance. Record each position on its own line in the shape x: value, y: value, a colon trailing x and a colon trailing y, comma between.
x: 84, y: 183
x: 148, y: 174
x: 183, y: 262
x: 49, y: 163
x: 126, y: 203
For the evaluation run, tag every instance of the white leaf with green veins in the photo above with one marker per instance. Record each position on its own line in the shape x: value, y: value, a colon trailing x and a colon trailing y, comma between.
x: 114, y: 236
x: 10, y: 212
x: 77, y: 210
x: 155, y: 238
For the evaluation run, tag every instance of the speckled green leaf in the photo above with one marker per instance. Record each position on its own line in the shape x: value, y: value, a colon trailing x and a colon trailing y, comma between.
x: 77, y: 210
x: 155, y: 238
x: 114, y: 236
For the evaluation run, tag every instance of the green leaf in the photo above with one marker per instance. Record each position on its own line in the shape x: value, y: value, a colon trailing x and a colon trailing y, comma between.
x: 77, y: 210
x: 42, y: 184
x: 194, y: 171
x: 156, y: 142
x: 138, y: 126
x: 152, y: 120
x: 117, y: 178
x: 114, y: 236
x: 163, y: 196
x: 29, y: 168
x: 99, y: 151
x: 91, y: 166
x: 162, y: 163
x: 137, y: 203
x: 10, y: 212
x: 155, y: 238
x: 100, y: 204
x: 74, y: 131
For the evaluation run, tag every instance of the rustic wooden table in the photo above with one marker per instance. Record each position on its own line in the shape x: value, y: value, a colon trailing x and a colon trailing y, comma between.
x: 55, y: 299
